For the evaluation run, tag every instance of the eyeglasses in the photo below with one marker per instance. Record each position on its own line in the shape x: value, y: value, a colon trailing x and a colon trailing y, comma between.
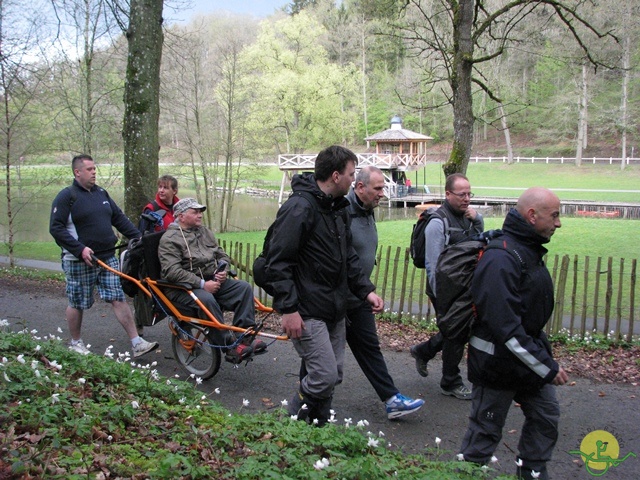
x: 463, y: 194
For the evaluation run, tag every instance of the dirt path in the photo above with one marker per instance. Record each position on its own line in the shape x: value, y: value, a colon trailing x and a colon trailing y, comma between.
x: 270, y: 378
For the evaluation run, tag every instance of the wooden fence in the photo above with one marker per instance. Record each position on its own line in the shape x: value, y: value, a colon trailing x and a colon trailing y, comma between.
x: 591, y: 295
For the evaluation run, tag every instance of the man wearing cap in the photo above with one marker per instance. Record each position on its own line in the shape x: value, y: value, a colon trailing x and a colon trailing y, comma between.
x: 189, y: 253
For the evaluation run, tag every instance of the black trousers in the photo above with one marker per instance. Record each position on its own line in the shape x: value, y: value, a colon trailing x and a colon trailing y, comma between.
x: 362, y: 338
x: 452, y: 353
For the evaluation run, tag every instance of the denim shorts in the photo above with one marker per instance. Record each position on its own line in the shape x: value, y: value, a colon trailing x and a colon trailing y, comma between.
x: 82, y: 280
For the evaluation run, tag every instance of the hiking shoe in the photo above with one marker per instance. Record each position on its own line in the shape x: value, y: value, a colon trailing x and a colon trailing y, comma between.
x: 399, y: 405
x: 144, y: 347
x: 461, y: 392
x: 79, y: 347
x: 258, y: 346
x: 421, y: 363
x: 238, y: 353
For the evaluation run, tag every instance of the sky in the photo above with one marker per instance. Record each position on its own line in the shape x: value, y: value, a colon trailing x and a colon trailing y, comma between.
x: 259, y: 8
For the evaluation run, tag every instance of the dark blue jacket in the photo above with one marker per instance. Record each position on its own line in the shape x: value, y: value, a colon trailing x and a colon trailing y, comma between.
x: 508, y: 348
x: 311, y: 263
x: 88, y: 223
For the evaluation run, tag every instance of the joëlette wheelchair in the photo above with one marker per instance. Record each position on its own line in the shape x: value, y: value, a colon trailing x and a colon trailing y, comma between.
x: 197, y: 343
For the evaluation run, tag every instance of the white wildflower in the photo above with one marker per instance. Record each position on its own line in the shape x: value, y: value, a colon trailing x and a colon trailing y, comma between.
x: 319, y: 465
x: 54, y: 398
x: 438, y: 440
x: 372, y: 442
x: 460, y: 457
x: 59, y: 330
x: 494, y: 459
x: 347, y: 422
x: 21, y: 359
x: 284, y: 403
x: 519, y: 462
x: 217, y: 391
x: 294, y: 417
x: 6, y: 378
x: 198, y: 380
x: 535, y: 474
x: 135, y: 404
x: 82, y: 381
x: 245, y: 402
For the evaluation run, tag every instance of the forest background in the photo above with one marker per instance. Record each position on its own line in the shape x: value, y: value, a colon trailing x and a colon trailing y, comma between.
x: 236, y: 91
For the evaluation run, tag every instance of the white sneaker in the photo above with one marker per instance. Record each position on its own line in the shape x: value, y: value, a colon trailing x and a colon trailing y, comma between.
x: 79, y: 347
x: 144, y: 347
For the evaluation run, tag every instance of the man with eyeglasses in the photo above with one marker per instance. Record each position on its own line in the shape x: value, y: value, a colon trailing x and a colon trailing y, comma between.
x: 462, y: 221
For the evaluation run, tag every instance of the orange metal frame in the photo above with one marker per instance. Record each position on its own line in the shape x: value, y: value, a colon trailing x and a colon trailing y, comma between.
x: 152, y: 287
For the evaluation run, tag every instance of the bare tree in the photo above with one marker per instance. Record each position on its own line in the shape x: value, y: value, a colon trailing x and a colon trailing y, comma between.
x: 85, y: 46
x: 20, y: 77
x: 461, y: 35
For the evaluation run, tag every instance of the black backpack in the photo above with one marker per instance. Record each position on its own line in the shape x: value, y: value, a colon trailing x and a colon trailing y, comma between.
x: 455, y: 312
x: 131, y: 263
x: 417, y: 247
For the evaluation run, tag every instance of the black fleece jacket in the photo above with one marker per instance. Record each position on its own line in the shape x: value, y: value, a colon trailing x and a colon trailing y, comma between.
x: 513, y: 305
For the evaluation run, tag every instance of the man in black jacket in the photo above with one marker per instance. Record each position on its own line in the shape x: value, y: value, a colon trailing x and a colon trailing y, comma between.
x: 510, y: 358
x: 82, y: 220
x: 312, y: 266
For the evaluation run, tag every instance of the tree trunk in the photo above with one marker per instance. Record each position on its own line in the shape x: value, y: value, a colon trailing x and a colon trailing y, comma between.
x: 582, y: 122
x: 142, y: 104
x: 461, y: 88
x: 507, y: 134
x: 625, y: 99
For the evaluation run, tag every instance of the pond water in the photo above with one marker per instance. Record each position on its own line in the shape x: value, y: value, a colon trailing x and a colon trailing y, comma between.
x: 31, y: 218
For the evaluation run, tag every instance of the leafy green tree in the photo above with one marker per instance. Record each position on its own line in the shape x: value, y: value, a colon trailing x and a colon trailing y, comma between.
x: 300, y: 101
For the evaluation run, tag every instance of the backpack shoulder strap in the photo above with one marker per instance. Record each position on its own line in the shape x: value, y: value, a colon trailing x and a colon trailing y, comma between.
x: 439, y: 213
x: 501, y: 243
x: 73, y: 190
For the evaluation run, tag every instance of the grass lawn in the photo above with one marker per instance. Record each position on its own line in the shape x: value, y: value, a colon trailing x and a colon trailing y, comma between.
x: 594, y: 237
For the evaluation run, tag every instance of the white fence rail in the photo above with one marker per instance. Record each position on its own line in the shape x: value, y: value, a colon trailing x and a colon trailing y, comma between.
x: 561, y: 160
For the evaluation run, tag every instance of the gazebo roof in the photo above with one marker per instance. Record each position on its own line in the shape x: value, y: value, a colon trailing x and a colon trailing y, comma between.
x: 397, y: 135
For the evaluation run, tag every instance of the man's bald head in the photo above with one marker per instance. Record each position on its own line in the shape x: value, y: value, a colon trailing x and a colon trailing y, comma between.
x: 540, y: 207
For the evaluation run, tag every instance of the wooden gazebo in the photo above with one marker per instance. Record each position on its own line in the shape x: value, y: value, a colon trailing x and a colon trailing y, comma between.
x: 406, y: 149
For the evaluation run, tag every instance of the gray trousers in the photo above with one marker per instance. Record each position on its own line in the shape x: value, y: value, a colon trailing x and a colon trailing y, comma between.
x: 234, y: 295
x: 321, y: 348
x: 489, y: 408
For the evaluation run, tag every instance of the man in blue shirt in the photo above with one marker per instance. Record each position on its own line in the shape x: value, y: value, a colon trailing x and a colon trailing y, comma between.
x: 82, y: 220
